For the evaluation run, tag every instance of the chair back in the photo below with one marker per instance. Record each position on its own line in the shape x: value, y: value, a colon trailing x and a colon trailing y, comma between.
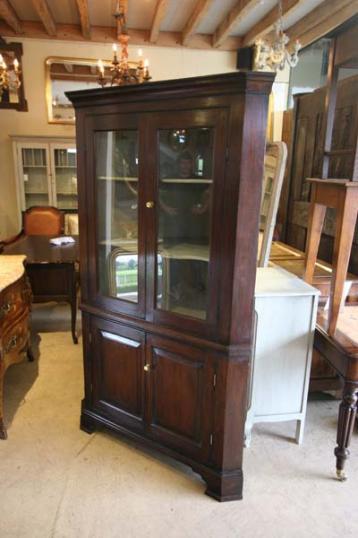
x: 41, y: 220
x: 274, y: 171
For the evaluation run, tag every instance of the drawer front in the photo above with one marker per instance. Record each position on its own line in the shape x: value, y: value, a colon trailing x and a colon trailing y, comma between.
x: 14, y: 302
x: 15, y: 338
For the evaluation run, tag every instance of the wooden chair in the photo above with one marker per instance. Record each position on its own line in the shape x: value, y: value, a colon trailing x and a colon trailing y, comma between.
x: 274, y: 170
x: 39, y: 220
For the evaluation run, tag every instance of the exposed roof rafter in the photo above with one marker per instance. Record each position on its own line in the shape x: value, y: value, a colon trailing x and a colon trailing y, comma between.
x: 45, y: 15
x: 9, y: 15
x: 200, y: 10
x: 82, y: 6
x: 160, y: 12
x: 238, y: 12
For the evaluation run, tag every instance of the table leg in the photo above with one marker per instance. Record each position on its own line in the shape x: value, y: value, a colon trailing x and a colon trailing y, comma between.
x: 346, y: 418
x: 3, y: 433
x: 74, y: 307
x: 315, y: 225
x: 345, y: 226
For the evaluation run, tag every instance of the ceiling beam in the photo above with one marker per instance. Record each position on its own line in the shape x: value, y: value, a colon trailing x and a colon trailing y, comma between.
x: 200, y: 10
x: 266, y: 24
x: 329, y: 10
x: 327, y: 25
x: 160, y: 12
x: 238, y: 12
x: 8, y: 14
x: 107, y: 34
x: 82, y: 6
x: 45, y: 15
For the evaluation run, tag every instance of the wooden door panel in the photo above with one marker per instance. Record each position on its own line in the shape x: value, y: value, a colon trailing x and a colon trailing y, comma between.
x: 180, y: 396
x: 118, y: 389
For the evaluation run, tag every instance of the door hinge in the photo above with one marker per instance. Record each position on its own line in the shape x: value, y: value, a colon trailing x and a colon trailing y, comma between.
x: 214, y: 380
x: 211, y: 440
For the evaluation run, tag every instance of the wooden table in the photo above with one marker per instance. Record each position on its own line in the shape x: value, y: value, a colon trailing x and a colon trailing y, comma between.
x: 51, y: 270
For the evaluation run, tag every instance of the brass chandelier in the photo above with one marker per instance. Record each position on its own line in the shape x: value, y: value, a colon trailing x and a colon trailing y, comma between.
x: 10, y: 76
x: 123, y: 71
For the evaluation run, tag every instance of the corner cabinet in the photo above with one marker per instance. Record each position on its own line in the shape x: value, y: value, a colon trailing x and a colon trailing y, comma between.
x: 46, y: 172
x: 169, y: 185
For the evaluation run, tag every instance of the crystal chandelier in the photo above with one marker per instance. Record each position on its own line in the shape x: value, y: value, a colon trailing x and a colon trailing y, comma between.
x: 123, y: 71
x: 275, y: 55
x: 10, y: 73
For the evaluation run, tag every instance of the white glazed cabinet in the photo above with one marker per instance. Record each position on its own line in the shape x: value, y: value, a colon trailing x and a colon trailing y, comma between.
x: 46, y: 172
x: 286, y: 310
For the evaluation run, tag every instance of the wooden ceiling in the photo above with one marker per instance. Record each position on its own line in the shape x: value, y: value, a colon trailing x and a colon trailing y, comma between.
x: 207, y: 24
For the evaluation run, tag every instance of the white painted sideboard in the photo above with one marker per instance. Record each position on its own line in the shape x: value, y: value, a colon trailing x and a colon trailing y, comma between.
x: 286, y: 309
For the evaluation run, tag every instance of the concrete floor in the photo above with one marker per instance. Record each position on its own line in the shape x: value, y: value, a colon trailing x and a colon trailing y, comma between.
x: 57, y: 481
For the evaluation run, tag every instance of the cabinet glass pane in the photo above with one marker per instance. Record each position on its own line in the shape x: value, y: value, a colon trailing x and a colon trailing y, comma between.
x: 66, y: 177
x: 34, y: 163
x: 184, y: 216
x: 116, y: 154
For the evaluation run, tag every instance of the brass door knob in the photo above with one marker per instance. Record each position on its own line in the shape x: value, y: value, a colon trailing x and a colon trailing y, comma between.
x: 147, y: 367
x: 149, y: 204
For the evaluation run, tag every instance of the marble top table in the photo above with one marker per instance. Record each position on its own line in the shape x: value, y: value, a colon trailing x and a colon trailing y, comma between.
x: 11, y: 269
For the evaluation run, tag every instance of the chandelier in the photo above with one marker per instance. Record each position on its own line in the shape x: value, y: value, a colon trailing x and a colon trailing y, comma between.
x: 275, y: 55
x: 123, y: 71
x: 9, y: 77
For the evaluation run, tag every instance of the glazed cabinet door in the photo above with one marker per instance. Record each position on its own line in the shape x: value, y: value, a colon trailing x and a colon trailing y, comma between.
x: 117, y: 373
x: 188, y: 171
x: 114, y: 219
x: 180, y: 381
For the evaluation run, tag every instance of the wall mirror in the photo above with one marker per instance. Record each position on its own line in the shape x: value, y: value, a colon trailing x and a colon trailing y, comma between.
x: 67, y: 74
x: 12, y: 93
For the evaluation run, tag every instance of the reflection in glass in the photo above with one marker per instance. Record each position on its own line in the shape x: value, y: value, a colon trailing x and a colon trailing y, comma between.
x: 184, y: 216
x: 116, y: 155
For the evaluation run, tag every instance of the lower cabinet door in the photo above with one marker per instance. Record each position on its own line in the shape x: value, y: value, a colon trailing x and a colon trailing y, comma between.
x: 118, y: 384
x: 180, y: 397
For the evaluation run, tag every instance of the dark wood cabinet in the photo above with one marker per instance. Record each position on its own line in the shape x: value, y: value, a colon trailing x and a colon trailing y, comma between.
x: 169, y: 181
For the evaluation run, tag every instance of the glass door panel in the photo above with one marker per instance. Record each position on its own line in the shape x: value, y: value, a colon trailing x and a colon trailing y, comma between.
x: 65, y: 171
x: 185, y: 190
x: 116, y: 154
x: 35, y: 176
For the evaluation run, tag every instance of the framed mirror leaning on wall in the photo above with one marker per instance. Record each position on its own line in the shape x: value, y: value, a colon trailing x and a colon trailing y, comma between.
x: 67, y: 74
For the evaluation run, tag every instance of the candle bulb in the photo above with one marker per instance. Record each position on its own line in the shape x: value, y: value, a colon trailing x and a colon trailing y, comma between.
x: 101, y: 67
x: 16, y: 65
x: 2, y: 62
x: 114, y: 48
x: 140, y: 53
x: 146, y: 63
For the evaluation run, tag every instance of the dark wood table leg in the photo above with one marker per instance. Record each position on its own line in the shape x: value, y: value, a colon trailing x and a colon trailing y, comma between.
x: 3, y: 433
x: 346, y: 418
x: 73, y: 303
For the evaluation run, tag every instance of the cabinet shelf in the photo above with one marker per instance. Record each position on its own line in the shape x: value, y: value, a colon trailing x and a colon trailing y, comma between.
x: 118, y: 178
x: 185, y: 181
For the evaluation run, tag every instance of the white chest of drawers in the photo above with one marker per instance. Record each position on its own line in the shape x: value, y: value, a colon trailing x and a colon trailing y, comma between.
x: 286, y: 309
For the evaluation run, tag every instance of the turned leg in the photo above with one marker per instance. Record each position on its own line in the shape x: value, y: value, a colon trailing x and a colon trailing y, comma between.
x: 30, y: 355
x: 315, y: 224
x: 346, y: 418
x: 3, y: 433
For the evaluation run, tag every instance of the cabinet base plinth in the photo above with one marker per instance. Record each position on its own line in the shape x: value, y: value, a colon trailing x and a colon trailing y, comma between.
x: 222, y: 486
x: 225, y: 486
x: 87, y: 424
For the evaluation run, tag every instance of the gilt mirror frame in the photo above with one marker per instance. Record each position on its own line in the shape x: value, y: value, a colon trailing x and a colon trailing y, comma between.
x: 17, y: 51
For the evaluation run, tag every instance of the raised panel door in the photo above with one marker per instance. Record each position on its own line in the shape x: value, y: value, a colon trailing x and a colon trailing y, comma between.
x: 180, y: 382
x: 118, y: 361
